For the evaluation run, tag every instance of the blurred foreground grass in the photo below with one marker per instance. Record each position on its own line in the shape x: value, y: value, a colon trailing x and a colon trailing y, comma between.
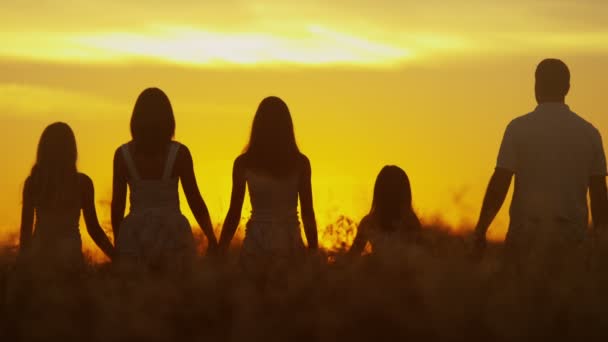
x: 431, y: 291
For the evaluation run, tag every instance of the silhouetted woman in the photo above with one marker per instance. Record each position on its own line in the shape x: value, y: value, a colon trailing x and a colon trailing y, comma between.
x: 391, y: 221
x: 155, y: 233
x: 276, y: 173
x: 53, y: 196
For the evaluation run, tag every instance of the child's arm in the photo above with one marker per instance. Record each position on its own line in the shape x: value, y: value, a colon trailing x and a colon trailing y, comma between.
x: 308, y: 212
x: 27, y: 216
x: 193, y: 196
x: 90, y: 217
x: 233, y: 218
x: 360, y: 239
x: 119, y: 193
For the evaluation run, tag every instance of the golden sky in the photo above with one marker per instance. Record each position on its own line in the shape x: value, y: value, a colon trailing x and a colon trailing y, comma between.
x: 427, y: 85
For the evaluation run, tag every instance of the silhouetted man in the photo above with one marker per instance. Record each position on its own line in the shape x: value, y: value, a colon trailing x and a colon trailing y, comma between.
x: 556, y: 156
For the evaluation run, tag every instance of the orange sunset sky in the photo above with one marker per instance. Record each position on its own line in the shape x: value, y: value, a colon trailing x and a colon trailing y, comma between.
x: 427, y: 85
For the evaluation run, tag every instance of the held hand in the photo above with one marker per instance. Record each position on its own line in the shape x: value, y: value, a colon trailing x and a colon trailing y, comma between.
x: 212, y: 249
x: 315, y: 255
x: 312, y: 251
x: 111, y: 253
x: 221, y: 250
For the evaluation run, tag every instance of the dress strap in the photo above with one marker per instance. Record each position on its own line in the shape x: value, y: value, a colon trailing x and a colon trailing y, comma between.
x: 170, y: 160
x: 129, y: 161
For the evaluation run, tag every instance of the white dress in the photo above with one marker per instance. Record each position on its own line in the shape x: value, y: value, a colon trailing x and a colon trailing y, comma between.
x: 155, y: 230
x: 387, y: 244
x: 273, y: 231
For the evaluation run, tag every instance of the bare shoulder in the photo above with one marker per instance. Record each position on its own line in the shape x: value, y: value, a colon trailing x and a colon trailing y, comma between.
x: 181, y: 147
x: 28, y: 187
x: 304, y: 164
x: 85, y: 181
x: 183, y: 152
x: 240, y: 163
x: 28, y: 183
x: 303, y: 159
x: 87, y: 189
x: 118, y: 155
x: 366, y: 223
x: 117, y: 152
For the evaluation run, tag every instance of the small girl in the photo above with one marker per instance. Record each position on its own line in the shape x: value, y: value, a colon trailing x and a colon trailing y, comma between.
x: 391, y: 221
x: 155, y: 233
x: 53, y: 196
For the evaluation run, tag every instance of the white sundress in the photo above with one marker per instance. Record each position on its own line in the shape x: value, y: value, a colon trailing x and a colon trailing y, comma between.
x: 389, y: 244
x: 155, y: 230
x: 273, y: 232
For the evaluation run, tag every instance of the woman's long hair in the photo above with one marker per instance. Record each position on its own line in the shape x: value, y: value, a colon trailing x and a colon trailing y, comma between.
x: 392, y: 204
x: 152, y: 122
x: 53, y: 181
x: 272, y: 145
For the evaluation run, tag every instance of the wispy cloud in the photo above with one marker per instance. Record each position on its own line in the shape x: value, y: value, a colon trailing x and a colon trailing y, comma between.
x: 270, y: 32
x: 315, y: 45
x: 23, y: 101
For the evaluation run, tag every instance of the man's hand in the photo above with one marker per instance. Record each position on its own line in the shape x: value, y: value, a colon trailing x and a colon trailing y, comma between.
x: 598, y: 194
x: 493, y: 200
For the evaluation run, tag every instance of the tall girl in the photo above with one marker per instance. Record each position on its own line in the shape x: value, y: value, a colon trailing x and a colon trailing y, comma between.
x: 155, y: 232
x: 276, y: 174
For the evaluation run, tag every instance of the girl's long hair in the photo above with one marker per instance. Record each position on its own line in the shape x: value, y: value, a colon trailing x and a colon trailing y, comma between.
x: 53, y: 181
x: 272, y: 146
x: 152, y: 121
x: 392, y: 203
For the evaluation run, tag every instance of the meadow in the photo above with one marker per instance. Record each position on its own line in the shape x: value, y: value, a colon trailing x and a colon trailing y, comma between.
x: 434, y: 290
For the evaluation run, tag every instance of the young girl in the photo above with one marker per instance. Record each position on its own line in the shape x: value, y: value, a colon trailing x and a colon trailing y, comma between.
x: 391, y: 221
x: 155, y: 233
x: 53, y: 196
x: 276, y: 173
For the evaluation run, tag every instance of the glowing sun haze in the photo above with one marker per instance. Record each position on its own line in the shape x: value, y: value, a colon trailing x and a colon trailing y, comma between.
x: 427, y: 85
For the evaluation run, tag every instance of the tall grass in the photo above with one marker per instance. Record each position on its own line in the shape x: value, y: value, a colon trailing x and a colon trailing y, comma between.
x: 435, y: 290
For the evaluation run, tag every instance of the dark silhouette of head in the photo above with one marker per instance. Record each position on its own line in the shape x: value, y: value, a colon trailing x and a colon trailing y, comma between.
x: 54, y: 175
x: 552, y: 81
x: 272, y: 145
x: 392, y: 197
x: 152, y: 122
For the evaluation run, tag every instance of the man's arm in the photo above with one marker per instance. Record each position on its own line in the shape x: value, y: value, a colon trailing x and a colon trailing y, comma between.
x: 598, y: 194
x: 492, y: 202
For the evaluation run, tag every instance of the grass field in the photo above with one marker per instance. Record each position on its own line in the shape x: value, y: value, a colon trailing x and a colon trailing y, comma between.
x: 432, y: 291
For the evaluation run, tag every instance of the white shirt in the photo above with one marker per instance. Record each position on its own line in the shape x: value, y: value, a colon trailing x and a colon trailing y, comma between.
x: 552, y: 152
